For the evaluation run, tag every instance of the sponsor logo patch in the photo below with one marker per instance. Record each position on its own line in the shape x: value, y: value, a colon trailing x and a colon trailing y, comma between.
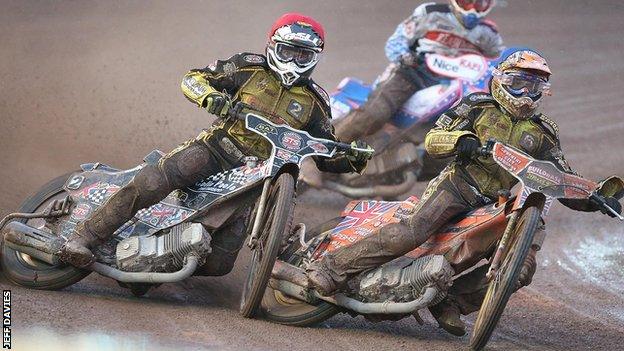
x: 253, y: 58
x: 81, y: 211
x: 229, y: 68
x: 291, y: 141
x: 528, y: 142
x: 194, y: 86
x: 295, y: 109
x: 444, y: 121
x: 318, y: 147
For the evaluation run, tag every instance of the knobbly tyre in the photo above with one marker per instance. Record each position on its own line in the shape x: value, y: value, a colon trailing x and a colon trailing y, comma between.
x: 400, y: 159
x: 400, y: 288
x: 169, y: 241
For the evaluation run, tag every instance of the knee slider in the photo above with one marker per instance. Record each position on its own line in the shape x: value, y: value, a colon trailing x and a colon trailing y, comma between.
x: 186, y: 163
x: 150, y: 179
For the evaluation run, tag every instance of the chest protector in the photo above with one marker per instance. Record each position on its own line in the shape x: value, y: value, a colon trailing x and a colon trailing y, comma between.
x: 525, y: 135
x: 281, y: 105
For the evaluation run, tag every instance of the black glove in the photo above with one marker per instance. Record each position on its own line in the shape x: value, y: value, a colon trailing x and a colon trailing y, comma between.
x: 358, y: 156
x: 614, y: 204
x: 218, y: 104
x: 467, y: 146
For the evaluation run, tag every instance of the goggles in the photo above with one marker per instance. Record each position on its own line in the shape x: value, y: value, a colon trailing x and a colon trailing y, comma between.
x: 519, y: 83
x: 477, y: 5
x: 301, y: 56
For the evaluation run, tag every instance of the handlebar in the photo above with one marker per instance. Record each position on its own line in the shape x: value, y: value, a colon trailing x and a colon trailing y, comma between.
x: 236, y: 112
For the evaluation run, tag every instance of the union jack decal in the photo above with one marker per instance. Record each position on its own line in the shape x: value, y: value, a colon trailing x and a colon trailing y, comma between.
x: 364, y: 212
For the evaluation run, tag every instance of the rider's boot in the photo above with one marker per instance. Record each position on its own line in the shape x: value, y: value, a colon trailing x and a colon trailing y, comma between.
x: 447, y: 314
x: 76, y: 250
x: 331, y: 273
x: 117, y: 210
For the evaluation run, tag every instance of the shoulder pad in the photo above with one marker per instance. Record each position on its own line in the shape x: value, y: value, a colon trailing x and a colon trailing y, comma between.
x: 248, y: 59
x: 478, y: 99
x: 236, y: 62
x: 548, y: 124
x: 320, y: 92
x: 433, y: 7
x: 471, y: 103
x: 490, y: 24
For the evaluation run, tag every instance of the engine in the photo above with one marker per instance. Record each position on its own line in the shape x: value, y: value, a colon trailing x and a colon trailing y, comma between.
x: 404, y: 280
x: 164, y: 251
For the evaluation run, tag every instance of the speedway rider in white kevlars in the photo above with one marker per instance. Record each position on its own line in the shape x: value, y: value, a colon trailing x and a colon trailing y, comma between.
x: 453, y: 29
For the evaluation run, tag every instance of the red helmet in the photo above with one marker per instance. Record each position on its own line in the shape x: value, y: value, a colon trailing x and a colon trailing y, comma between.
x: 295, y: 42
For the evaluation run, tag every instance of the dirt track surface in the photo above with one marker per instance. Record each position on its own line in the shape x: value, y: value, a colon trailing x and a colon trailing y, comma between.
x: 85, y: 81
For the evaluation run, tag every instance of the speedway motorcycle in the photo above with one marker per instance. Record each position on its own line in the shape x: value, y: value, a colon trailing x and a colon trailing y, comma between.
x: 171, y: 240
x: 400, y: 160
x: 496, y: 237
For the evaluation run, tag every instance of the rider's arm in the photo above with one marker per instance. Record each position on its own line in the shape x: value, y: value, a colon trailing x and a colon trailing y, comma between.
x: 551, y: 151
x: 454, y: 124
x: 223, y: 76
x: 490, y: 41
x: 405, y: 34
x: 319, y: 126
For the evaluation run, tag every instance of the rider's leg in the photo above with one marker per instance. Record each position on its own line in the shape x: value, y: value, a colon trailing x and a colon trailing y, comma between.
x: 225, y: 244
x: 182, y: 167
x: 440, y: 202
x: 395, y: 87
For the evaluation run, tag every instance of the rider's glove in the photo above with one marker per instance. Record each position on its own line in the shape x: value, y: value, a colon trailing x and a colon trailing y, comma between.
x: 408, y: 59
x: 359, y: 156
x: 467, y: 146
x: 218, y: 103
x: 614, y: 204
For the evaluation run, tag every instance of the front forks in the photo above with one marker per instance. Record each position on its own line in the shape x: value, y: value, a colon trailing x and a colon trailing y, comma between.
x: 502, y: 245
x: 253, y: 238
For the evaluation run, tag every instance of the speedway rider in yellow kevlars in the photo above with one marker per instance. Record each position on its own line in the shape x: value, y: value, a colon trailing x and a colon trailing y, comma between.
x: 277, y: 85
x: 509, y: 115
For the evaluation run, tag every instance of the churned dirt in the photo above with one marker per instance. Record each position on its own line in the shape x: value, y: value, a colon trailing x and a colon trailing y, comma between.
x: 99, y: 81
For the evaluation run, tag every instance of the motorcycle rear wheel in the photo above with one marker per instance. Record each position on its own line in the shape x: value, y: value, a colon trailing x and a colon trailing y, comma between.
x: 503, y: 284
x: 283, y: 309
x: 24, y: 270
x: 276, y: 222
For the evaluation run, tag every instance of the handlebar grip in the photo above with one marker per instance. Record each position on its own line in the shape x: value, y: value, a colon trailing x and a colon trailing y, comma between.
x: 342, y: 146
x: 236, y: 111
x: 598, y: 200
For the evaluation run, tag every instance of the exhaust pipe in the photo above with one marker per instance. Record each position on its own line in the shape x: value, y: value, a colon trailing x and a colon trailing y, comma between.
x: 34, y: 242
x: 293, y: 281
x: 149, y: 277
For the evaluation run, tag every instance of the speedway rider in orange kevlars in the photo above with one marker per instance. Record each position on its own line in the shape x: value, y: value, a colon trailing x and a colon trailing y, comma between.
x: 278, y: 85
x: 509, y: 115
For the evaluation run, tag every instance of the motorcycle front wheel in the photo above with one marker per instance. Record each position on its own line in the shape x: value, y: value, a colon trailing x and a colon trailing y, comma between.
x: 24, y: 270
x: 283, y: 309
x: 277, y: 220
x: 504, y: 282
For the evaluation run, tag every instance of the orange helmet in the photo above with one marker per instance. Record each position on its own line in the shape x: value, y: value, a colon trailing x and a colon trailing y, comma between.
x: 520, y: 80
